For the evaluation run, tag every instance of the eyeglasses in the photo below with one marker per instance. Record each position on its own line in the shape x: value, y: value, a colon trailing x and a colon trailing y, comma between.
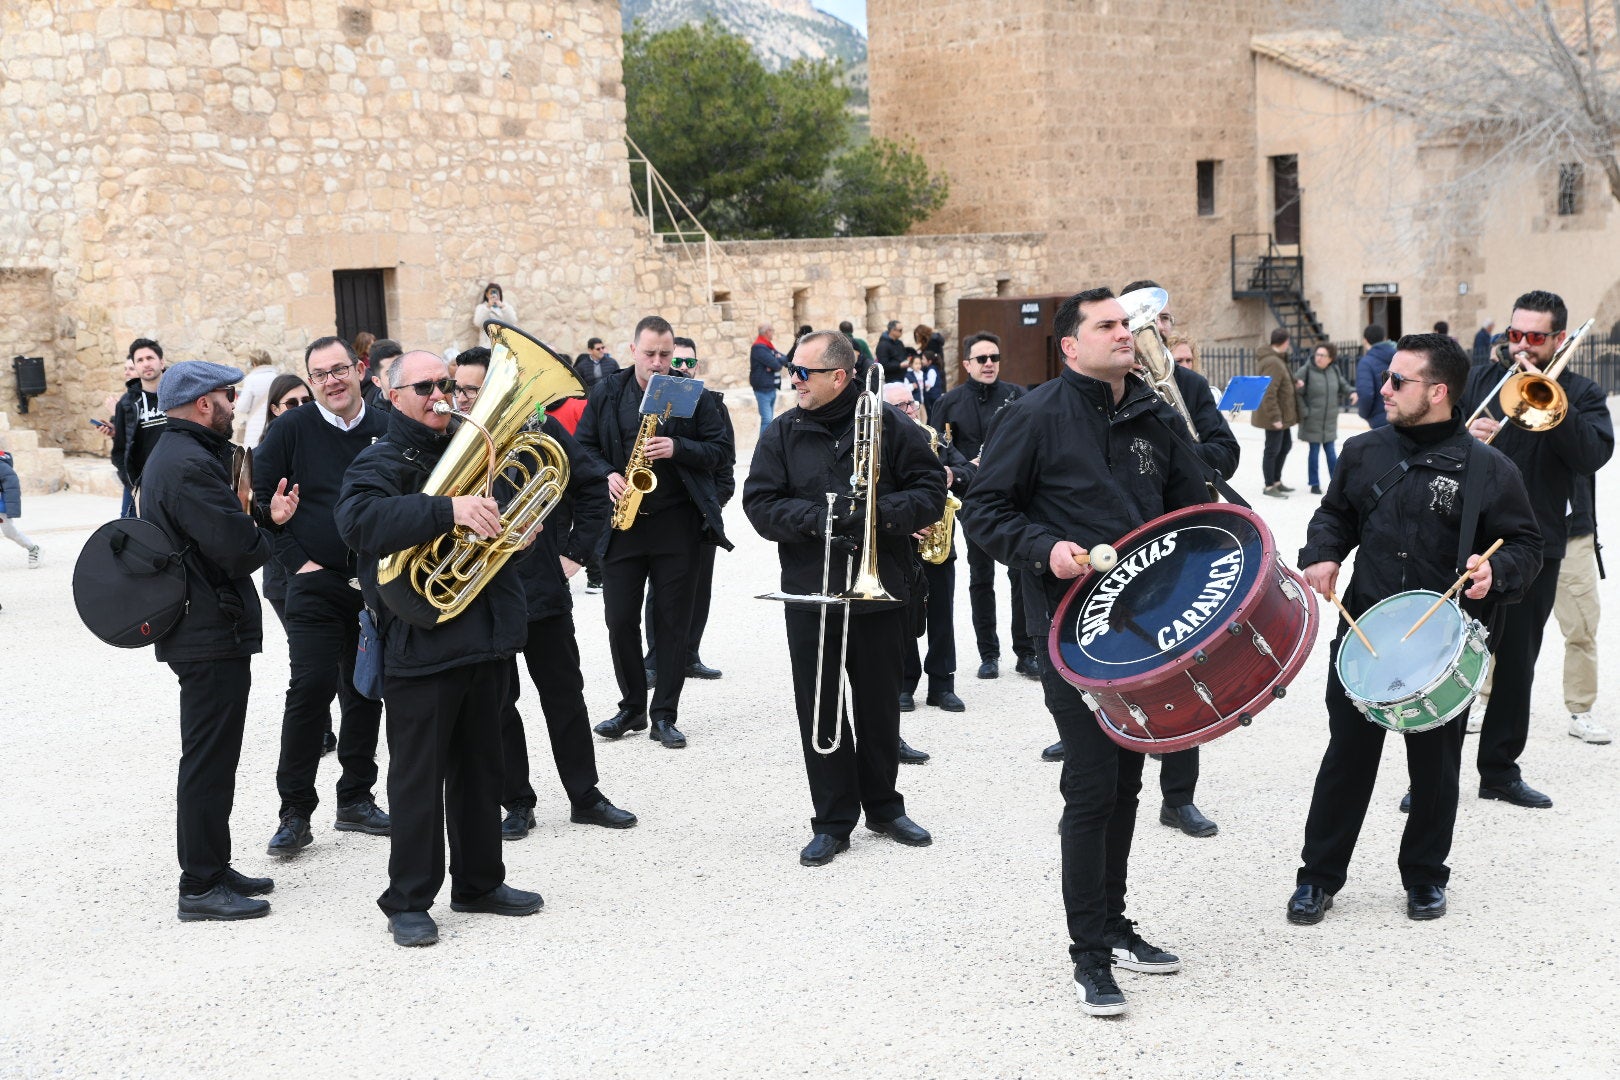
x: 987, y: 358
x: 466, y: 389
x: 339, y: 372
x: 1527, y: 337
x: 293, y: 402
x: 802, y: 373
x: 683, y: 361
x: 427, y: 386
x: 1397, y: 380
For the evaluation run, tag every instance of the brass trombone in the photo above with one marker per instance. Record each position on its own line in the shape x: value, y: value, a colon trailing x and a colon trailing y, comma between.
x: 1531, y: 399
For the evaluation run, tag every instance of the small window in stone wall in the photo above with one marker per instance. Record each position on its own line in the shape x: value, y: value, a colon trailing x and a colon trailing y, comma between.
x: 1570, y: 177
x: 1208, y: 175
x: 722, y: 300
x: 801, y: 309
x: 942, y: 311
x: 1003, y: 286
x: 875, y: 320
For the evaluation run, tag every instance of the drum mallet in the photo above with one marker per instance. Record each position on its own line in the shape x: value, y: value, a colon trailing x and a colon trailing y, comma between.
x: 1451, y: 591
x: 1334, y: 596
x: 1101, y: 556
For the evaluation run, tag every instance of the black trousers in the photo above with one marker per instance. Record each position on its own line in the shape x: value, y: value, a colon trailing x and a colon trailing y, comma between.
x: 1278, y: 443
x: 702, y: 591
x: 861, y: 773
x: 982, y: 600
x: 213, y: 711
x: 940, y: 663
x: 1100, y: 785
x: 660, y: 549
x: 552, y: 656
x: 323, y: 627
x: 1344, y: 787
x: 444, y: 775
x: 1178, y: 777
x: 1506, y: 726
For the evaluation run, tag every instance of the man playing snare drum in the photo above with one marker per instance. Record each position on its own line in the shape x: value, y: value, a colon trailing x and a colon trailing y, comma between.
x: 1402, y: 495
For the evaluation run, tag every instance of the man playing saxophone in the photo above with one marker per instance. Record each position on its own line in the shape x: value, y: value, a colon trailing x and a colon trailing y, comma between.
x: 806, y: 453
x: 676, y: 513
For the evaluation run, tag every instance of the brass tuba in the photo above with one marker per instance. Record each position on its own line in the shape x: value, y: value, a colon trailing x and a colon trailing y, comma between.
x: 1142, y: 309
x: 935, y: 546
x: 434, y: 582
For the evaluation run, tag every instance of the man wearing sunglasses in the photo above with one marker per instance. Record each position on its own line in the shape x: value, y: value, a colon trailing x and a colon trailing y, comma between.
x: 805, y: 454
x: 1401, y: 499
x: 444, y: 685
x: 186, y: 491
x: 314, y: 447
x: 662, y: 545
x: 1553, y: 463
x: 963, y: 417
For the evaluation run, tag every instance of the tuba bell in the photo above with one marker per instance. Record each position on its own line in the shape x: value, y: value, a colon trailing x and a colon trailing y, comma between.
x: 434, y: 582
x: 1142, y: 309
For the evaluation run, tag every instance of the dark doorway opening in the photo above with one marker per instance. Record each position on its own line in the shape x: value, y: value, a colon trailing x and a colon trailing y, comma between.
x: 1285, y: 198
x: 361, y: 303
x: 1386, y: 312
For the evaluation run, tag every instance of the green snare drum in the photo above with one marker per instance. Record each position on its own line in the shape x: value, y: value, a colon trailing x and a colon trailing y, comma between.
x: 1424, y: 681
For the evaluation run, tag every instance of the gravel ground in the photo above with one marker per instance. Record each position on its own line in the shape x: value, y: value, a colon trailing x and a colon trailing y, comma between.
x: 695, y: 945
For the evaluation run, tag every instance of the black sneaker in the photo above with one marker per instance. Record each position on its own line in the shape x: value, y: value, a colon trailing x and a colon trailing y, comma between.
x: 364, y: 816
x: 1028, y: 667
x: 1134, y: 954
x: 243, y: 885
x: 221, y: 904
x: 291, y: 838
x: 328, y: 742
x: 517, y: 824
x: 1099, y: 993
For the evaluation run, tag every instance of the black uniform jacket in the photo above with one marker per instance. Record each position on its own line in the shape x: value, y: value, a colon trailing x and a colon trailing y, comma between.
x: 1216, y: 443
x: 186, y: 492
x: 967, y: 410
x: 704, y: 447
x: 570, y: 531
x: 383, y: 510
x: 1408, y: 539
x: 802, y: 455
x: 306, y: 449
x: 1066, y: 464
x: 1552, y: 461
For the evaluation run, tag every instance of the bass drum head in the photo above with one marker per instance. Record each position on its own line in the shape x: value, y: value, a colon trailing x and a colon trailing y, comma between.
x: 127, y: 586
x: 1178, y: 582
x: 1402, y: 668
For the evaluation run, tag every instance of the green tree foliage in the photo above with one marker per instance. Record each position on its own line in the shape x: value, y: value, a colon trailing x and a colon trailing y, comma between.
x: 754, y: 153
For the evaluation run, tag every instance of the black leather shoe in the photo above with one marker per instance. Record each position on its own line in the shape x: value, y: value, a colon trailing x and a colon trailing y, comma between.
x: 328, y: 742
x: 1053, y: 752
x: 517, y: 823
x: 664, y: 732
x: 821, y: 850
x: 1028, y: 667
x: 1188, y: 820
x: 292, y: 837
x: 1308, y: 904
x: 990, y: 669
x: 622, y: 723
x: 1516, y: 792
x: 501, y: 900
x: 221, y: 904
x: 364, y: 817
x: 908, y: 703
x: 411, y: 928
x: 1425, y: 902
x: 243, y: 885
x: 947, y: 700
x: 902, y: 830
x: 697, y: 669
x: 910, y: 755
x: 1406, y: 803
x: 603, y: 813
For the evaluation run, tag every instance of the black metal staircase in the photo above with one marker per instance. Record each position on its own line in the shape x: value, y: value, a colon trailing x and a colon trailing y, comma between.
x: 1260, y: 271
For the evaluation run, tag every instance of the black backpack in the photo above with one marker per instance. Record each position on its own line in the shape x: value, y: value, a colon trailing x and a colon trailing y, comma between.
x: 129, y: 583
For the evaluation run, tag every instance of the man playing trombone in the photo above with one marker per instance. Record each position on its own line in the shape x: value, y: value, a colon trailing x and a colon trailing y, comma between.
x: 826, y: 545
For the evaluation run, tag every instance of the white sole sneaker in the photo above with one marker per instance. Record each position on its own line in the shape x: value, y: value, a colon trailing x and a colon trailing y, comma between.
x: 1582, y: 727
x: 1098, y: 1010
x: 1124, y: 959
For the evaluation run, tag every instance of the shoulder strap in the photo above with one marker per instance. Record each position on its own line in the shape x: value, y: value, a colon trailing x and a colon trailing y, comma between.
x: 1473, y: 500
x: 1211, y: 475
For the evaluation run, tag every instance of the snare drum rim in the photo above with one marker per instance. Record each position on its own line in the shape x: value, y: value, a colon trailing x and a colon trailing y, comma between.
x: 1451, y: 665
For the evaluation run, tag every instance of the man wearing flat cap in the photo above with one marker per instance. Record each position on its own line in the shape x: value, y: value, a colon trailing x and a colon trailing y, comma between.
x: 186, y: 491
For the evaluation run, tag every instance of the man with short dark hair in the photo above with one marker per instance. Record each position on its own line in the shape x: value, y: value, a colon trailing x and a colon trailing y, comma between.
x: 1409, y: 479
x: 661, y: 544
x: 1370, y: 368
x: 594, y: 363
x: 314, y: 447
x: 1553, y: 461
x: 375, y: 388
x: 137, y: 420
x: 891, y: 353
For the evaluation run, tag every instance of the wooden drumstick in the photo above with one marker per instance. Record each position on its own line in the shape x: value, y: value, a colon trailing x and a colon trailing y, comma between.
x: 1334, y: 596
x: 1452, y: 591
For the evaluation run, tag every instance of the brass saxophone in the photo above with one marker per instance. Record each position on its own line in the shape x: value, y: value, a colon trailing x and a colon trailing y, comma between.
x: 639, y: 479
x: 935, y: 546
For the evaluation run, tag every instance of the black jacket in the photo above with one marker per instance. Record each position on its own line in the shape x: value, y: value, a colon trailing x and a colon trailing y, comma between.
x: 1217, y: 445
x: 1551, y: 461
x: 968, y: 409
x: 1408, y: 538
x: 801, y: 456
x: 382, y: 510
x: 186, y: 492
x: 127, y: 444
x: 306, y: 449
x: 590, y: 371
x: 1068, y: 465
x: 891, y: 353
x: 570, y: 531
x: 704, y: 448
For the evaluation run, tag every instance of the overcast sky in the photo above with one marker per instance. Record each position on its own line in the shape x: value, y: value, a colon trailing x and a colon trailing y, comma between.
x: 851, y: 11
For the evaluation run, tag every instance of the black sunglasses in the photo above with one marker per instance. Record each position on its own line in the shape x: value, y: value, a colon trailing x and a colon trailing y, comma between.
x: 802, y: 373
x: 987, y: 358
x: 228, y: 391
x: 293, y: 402
x: 427, y: 386
x: 1397, y: 380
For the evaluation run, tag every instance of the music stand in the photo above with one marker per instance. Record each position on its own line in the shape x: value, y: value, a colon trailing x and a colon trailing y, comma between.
x: 672, y: 396
x: 1244, y: 392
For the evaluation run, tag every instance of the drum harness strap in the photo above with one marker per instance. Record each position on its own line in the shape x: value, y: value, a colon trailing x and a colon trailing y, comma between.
x: 1212, y: 478
x: 1473, y: 496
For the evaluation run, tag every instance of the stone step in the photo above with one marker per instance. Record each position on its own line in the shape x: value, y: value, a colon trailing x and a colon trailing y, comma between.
x: 40, y: 471
x: 19, y: 440
x: 92, y: 476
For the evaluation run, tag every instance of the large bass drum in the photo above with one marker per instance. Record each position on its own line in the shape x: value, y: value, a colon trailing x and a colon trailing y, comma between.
x: 1196, y: 629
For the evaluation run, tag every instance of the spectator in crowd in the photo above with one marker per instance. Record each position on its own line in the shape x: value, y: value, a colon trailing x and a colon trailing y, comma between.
x: 1482, y: 341
x: 1184, y: 351
x: 138, y: 421
x: 863, y: 351
x: 1370, y: 375
x: 804, y: 328
x: 493, y: 306
x: 373, y: 388
x: 1443, y: 328
x: 363, y: 341
x: 925, y: 377
x: 1278, y: 411
x: 891, y: 353
x: 594, y: 363
x: 253, y: 398
x: 764, y: 374
x: 1321, y: 389
x: 11, y: 510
